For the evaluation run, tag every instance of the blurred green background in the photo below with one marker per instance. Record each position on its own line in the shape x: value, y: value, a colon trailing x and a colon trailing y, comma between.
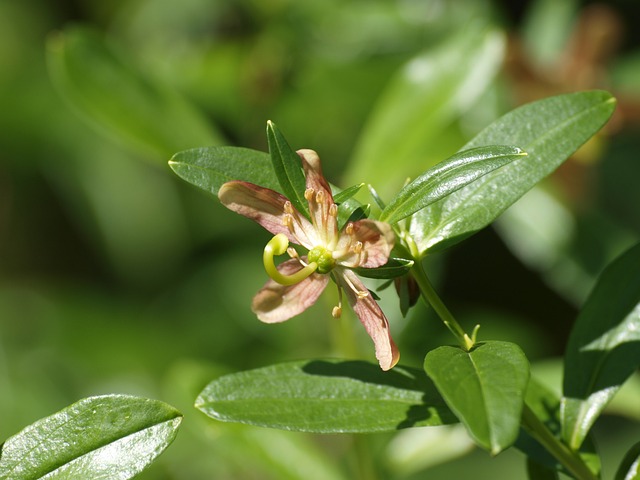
x: 117, y: 277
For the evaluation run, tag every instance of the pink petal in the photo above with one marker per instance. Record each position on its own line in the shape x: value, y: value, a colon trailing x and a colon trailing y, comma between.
x: 371, y: 317
x: 276, y: 303
x: 266, y: 207
x: 320, y: 204
x: 377, y: 241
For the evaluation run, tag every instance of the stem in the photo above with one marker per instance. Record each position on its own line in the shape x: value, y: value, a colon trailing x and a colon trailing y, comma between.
x: 570, y: 459
x: 432, y: 298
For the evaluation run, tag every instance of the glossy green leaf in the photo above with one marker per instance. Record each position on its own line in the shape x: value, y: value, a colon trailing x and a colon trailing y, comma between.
x: 630, y: 466
x: 549, y: 130
x: 99, y: 83
x: 342, y: 196
x: 108, y: 437
x: 208, y: 168
x: 422, y: 99
x: 288, y: 168
x: 326, y: 396
x: 447, y: 177
x: 484, y: 387
x: 395, y: 267
x: 604, y: 346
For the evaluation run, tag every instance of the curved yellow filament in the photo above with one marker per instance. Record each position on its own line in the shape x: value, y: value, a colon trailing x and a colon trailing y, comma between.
x: 277, y: 246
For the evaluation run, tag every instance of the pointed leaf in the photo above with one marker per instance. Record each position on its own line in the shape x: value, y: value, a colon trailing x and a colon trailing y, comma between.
x: 208, y: 168
x: 288, y: 168
x: 484, y: 387
x: 100, y: 84
x: 112, y: 436
x: 395, y: 267
x: 326, y: 397
x: 604, y: 346
x: 446, y: 177
x: 549, y: 130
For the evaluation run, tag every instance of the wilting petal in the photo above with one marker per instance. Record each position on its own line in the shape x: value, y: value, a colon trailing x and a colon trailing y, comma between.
x: 321, y: 200
x: 377, y: 240
x: 266, y: 207
x: 276, y: 303
x: 371, y: 317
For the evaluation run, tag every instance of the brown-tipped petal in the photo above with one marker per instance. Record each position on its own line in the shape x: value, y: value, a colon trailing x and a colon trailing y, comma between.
x: 322, y: 199
x: 372, y: 317
x: 266, y: 207
x: 276, y: 303
x: 377, y: 240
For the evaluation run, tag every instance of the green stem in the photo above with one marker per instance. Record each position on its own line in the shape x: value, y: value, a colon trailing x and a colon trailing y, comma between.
x: 570, y: 459
x: 432, y: 298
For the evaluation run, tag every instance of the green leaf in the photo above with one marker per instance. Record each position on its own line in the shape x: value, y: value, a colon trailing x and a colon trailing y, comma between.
x: 111, y: 436
x: 98, y: 82
x: 288, y: 168
x: 630, y: 466
x: 549, y: 130
x: 423, y: 99
x: 447, y: 177
x: 604, y: 346
x: 341, y: 196
x: 326, y: 396
x: 545, y: 405
x: 395, y: 267
x: 484, y: 387
x: 208, y: 168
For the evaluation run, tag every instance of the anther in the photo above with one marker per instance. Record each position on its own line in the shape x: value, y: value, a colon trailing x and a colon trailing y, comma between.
x: 288, y: 208
x: 336, y: 312
x: 357, y: 248
x: 349, y: 229
x: 333, y: 210
x: 320, y: 196
x: 308, y: 194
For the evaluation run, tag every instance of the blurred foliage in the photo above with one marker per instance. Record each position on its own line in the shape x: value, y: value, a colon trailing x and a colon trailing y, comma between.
x: 117, y: 277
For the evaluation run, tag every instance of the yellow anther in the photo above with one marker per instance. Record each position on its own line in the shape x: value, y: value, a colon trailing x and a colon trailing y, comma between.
x: 349, y: 229
x: 357, y: 248
x: 333, y: 210
x: 277, y: 246
x: 336, y: 312
x: 308, y: 194
x: 320, y: 196
x: 288, y: 208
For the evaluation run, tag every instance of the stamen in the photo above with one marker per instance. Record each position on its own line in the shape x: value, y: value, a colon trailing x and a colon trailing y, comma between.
x: 333, y: 210
x: 320, y: 196
x: 277, y: 246
x: 293, y: 253
x: 357, y: 248
x: 359, y: 293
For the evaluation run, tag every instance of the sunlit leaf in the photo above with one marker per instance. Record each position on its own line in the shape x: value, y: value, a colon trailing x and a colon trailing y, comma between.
x: 108, y: 437
x: 604, y: 346
x: 208, y: 168
x: 447, y: 177
x: 288, y: 168
x: 549, y: 130
x: 99, y: 83
x: 484, y: 387
x: 326, y: 397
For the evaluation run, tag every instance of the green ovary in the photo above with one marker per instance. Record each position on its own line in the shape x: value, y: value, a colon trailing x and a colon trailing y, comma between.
x: 323, y: 258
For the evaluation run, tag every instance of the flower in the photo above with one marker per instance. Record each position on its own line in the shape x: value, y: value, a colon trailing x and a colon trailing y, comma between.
x: 297, y: 283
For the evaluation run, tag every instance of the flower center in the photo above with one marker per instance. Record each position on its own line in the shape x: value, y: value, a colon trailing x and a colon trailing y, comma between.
x: 323, y: 258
